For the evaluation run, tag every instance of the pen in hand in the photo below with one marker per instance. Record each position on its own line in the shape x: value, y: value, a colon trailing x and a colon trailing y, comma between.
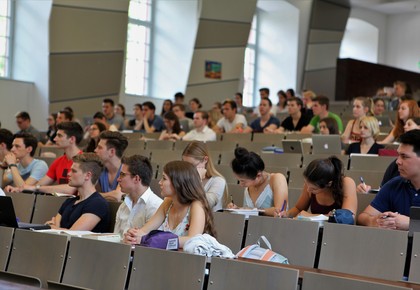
x: 362, y: 180
x: 284, y: 206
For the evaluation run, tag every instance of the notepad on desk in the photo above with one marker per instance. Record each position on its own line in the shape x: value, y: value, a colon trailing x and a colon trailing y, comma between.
x: 245, y: 211
x: 321, y: 218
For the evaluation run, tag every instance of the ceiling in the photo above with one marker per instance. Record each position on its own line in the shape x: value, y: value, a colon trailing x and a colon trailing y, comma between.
x: 388, y: 6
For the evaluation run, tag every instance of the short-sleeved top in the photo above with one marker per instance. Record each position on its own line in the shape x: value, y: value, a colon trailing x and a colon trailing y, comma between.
x: 117, y: 121
x: 264, y: 200
x: 104, y: 184
x: 157, y: 123
x: 182, y: 228
x: 256, y: 125
x: 60, y: 168
x: 397, y: 195
x: 36, y: 169
x: 287, y: 124
x: 355, y: 148
x: 31, y: 130
x: 217, y: 185
x: 94, y: 204
x: 317, y: 208
x: 315, y: 122
x: 228, y: 126
x: 206, y: 135
x: 131, y: 215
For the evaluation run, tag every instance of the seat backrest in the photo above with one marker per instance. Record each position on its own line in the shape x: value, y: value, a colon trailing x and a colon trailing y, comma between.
x: 414, y: 275
x: 60, y: 286
x: 294, y: 194
x: 162, y: 156
x: 220, y: 146
x: 271, y: 138
x: 227, y: 172
x: 97, y: 264
x: 243, y: 275
x: 37, y: 254
x: 235, y: 137
x: 46, y: 207
x: 230, y: 229
x: 296, y: 179
x: 50, y: 151
x: 318, y: 281
x: 308, y: 158
x: 113, y: 209
x: 226, y: 157
x: 237, y: 193
x: 294, y: 239
x: 155, y: 187
x: 363, y: 251
x: 372, y: 178
x: 288, y: 160
x: 186, y: 270
x: 160, y: 145
x: 23, y: 204
x: 363, y: 200
x: 6, y: 239
x: 370, y: 163
x: 17, y: 281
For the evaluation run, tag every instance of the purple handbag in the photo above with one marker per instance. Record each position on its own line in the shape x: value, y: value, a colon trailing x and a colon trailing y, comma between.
x: 160, y: 240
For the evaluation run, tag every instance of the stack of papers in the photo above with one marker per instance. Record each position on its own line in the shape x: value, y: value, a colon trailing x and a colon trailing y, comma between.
x: 110, y: 237
x: 244, y: 211
x: 316, y: 218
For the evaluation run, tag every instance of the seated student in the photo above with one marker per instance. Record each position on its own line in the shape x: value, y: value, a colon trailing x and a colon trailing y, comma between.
x: 368, y: 131
x: 69, y: 135
x: 266, y: 122
x: 214, y: 183
x: 325, y: 189
x: 23, y: 167
x: 185, y: 210
x: 140, y: 203
x: 89, y: 210
x: 296, y: 119
x: 263, y: 190
x: 173, y: 129
x: 361, y: 108
x: 391, y: 206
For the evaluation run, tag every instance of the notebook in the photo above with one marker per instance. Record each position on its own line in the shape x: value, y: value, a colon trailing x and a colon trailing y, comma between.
x: 8, y: 216
x: 292, y: 146
x: 326, y: 144
x: 414, y: 220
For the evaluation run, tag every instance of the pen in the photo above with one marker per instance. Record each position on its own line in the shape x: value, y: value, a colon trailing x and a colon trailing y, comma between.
x: 284, y: 206
x: 362, y: 180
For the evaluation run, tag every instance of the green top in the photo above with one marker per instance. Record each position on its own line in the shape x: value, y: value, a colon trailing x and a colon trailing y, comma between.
x: 315, y: 122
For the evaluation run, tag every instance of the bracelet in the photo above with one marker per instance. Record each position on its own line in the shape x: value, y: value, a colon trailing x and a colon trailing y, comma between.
x: 12, y: 165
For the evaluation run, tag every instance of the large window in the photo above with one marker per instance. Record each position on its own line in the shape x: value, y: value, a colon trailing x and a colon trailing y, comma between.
x: 249, y: 65
x: 138, y: 47
x: 5, y: 34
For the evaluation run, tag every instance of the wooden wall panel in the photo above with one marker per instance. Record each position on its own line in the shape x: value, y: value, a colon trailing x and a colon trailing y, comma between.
x: 213, y: 33
x: 74, y: 76
x: 75, y: 29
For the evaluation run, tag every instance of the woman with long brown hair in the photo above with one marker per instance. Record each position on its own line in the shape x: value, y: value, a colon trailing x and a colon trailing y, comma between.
x: 185, y: 210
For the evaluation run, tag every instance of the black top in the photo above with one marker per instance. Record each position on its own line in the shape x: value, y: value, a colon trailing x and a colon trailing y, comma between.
x: 287, y: 124
x: 355, y: 148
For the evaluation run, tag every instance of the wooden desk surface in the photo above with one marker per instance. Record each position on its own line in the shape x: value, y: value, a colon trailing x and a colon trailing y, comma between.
x: 338, y: 274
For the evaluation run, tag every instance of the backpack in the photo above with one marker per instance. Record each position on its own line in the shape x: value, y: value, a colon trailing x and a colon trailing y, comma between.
x: 258, y: 253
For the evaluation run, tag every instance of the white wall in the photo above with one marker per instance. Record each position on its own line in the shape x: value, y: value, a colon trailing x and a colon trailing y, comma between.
x: 15, y: 96
x: 31, y: 58
x: 360, y: 41
x: 173, y: 43
x: 403, y: 41
x: 277, y: 48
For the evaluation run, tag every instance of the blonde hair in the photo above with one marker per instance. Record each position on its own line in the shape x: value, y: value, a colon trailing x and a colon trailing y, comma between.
x: 198, y: 150
x: 372, y: 124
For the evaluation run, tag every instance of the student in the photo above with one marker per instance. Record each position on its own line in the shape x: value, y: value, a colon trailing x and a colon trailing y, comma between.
x: 201, y: 131
x: 173, y: 129
x: 89, y: 210
x: 325, y: 189
x: 111, y: 117
x: 185, y: 210
x: 94, y: 131
x: 369, y: 131
x: 23, y: 167
x: 213, y: 182
x: 320, y: 106
x: 266, y: 122
x: 296, y: 120
x: 140, y: 203
x: 328, y: 126
x: 412, y: 124
x: 166, y: 107
x: 263, y: 190
x: 407, y: 109
x: 151, y: 121
x: 391, y: 206
x: 361, y: 108
x: 231, y: 121
x: 6, y: 143
x: 69, y: 135
x: 137, y: 122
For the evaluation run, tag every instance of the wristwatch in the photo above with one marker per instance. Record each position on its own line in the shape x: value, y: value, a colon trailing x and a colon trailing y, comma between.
x: 37, y: 187
x: 12, y: 165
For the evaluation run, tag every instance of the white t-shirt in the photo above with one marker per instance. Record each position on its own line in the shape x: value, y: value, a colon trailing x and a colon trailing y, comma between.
x: 228, y: 126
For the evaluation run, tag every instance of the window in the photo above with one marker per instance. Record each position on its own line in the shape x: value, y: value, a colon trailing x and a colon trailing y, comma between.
x: 5, y: 37
x: 249, y: 65
x: 138, y: 47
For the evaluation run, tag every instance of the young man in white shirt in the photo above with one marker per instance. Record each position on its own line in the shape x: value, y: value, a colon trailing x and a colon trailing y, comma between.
x: 231, y: 121
x: 202, y: 132
x: 140, y: 203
